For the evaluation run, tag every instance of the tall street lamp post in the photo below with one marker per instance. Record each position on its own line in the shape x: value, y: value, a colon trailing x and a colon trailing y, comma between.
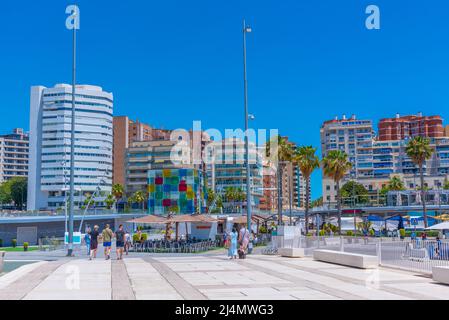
x: 246, y: 29
x: 72, y: 23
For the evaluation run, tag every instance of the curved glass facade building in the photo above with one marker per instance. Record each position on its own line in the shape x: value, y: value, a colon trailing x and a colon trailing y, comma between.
x: 50, y: 140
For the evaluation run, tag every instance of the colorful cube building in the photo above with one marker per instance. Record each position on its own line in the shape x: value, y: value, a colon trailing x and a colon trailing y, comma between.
x: 175, y: 191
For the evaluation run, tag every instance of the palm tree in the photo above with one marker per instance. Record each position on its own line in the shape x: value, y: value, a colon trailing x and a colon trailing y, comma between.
x: 139, y: 197
x: 117, y: 191
x: 419, y: 150
x: 285, y: 153
x: 307, y: 162
x: 395, y: 184
x: 109, y: 201
x: 335, y: 166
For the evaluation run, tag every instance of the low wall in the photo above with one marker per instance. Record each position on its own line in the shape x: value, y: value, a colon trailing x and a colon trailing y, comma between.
x: 346, y: 259
x: 292, y: 252
x: 44, y: 229
x: 2, y: 258
x: 440, y: 274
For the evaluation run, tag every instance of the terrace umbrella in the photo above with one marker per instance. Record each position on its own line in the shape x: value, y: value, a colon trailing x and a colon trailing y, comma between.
x: 439, y: 226
x: 149, y: 220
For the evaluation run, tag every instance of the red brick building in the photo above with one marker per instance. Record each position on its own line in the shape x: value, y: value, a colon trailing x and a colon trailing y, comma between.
x: 399, y: 128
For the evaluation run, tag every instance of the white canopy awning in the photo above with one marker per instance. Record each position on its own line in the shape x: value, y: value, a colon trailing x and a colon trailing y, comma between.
x: 440, y: 226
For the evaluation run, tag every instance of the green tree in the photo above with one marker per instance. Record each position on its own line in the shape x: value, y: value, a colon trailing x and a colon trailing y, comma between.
x: 18, y: 187
x: 234, y: 195
x: 419, y: 150
x: 139, y: 198
x: 110, y: 200
x: 395, y: 184
x: 307, y: 161
x: 284, y: 152
x: 117, y: 192
x: 355, y: 191
x: 214, y: 201
x: 317, y: 202
x: 335, y: 166
x: 89, y: 199
x: 446, y: 184
x: 5, y: 193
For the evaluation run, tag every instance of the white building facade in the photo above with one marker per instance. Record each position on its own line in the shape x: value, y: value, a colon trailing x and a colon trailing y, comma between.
x: 50, y: 141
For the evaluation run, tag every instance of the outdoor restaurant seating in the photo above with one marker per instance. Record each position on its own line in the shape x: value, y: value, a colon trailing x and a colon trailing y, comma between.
x: 168, y: 246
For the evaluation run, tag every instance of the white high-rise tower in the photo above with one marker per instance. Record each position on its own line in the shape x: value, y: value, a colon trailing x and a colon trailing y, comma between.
x: 50, y: 129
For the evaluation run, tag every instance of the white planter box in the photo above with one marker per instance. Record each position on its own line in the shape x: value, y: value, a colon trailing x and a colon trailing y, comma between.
x: 2, y: 257
x: 440, y: 274
x: 292, y: 252
x: 347, y: 259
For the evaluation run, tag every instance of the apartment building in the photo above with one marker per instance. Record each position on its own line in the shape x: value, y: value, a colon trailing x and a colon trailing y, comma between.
x: 14, y: 151
x: 375, y: 161
x: 127, y: 131
x: 355, y: 138
x: 145, y: 156
x: 50, y: 144
x: 229, y: 168
x: 405, y: 127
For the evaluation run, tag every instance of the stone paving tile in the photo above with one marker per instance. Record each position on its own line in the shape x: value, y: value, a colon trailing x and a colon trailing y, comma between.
x: 216, y: 278
x: 147, y: 283
x: 430, y: 289
x: 304, y: 293
x: 204, y: 266
x: 28, y: 282
x: 121, y: 285
x: 9, y: 278
x: 75, y: 280
x: 363, y: 291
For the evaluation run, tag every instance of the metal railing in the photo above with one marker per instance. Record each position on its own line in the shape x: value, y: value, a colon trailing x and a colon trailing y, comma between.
x: 412, y: 255
x: 50, y: 244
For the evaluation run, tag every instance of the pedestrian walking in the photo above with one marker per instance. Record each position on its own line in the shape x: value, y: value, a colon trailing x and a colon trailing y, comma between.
x: 94, y: 234
x: 128, y: 242
x: 120, y: 241
x: 243, y: 242
x: 87, y: 240
x: 107, y: 235
x: 232, y: 240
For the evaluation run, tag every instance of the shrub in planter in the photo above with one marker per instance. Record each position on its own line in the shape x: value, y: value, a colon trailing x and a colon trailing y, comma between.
x: 136, y: 238
x: 25, y: 246
x: 14, y: 243
x: 349, y: 233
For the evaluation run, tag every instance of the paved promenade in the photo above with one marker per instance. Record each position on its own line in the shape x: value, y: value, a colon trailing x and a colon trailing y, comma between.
x: 210, y: 277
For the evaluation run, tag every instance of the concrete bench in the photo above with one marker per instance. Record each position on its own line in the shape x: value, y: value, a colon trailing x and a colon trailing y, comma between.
x: 419, y: 254
x: 292, y: 252
x: 2, y: 257
x: 440, y: 274
x: 347, y: 259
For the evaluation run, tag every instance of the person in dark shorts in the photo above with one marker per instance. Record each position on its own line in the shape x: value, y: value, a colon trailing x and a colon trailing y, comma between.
x: 120, y: 241
x: 107, y: 235
x: 94, y: 234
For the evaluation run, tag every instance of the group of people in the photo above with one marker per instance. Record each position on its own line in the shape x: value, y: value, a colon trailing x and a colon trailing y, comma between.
x: 122, y: 241
x: 238, y: 242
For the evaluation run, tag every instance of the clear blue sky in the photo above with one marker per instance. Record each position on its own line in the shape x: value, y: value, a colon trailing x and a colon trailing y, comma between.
x: 171, y: 62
